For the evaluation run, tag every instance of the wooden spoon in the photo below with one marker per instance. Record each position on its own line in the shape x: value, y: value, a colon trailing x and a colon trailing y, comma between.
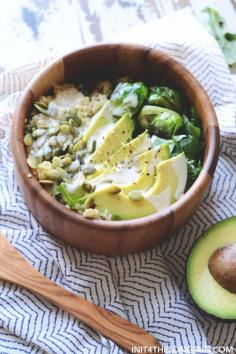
x: 14, y: 268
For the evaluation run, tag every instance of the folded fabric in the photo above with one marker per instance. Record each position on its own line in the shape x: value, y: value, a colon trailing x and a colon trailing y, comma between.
x: 148, y: 288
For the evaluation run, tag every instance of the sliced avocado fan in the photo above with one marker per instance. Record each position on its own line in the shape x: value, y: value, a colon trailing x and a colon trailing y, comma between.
x: 159, y: 196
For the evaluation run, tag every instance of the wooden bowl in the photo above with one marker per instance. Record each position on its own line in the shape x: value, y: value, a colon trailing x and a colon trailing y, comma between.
x: 115, y: 237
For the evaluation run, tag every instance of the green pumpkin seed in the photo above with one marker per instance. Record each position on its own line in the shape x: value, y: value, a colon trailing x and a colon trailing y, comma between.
x: 61, y: 139
x: 42, y: 126
x: 74, y: 166
x: 87, y: 187
x: 62, y: 172
x: 52, y: 109
x: 136, y: 195
x: 38, y: 132
x: 66, y: 161
x: 91, y: 145
x: 89, y: 203
x: 114, y: 190
x: 46, y: 181
x: 41, y: 107
x: 57, y: 152
x: 57, y: 162
x: 52, y: 141
x: 32, y: 161
x: 28, y: 139
x: 89, y: 170
x: 54, y: 175
x: 40, y: 141
x: 53, y: 130
x: 48, y: 155
x: 65, y: 129
x: 78, y: 146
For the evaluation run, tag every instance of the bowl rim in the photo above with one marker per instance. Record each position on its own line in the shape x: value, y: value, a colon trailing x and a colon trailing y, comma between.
x: 209, y: 160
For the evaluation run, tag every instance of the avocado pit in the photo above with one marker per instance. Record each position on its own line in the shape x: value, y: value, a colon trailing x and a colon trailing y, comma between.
x: 222, y: 266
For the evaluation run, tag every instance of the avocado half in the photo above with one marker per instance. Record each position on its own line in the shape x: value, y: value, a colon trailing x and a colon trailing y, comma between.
x: 211, y: 270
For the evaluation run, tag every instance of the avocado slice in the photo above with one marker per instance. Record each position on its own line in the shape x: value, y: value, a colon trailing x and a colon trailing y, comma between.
x: 120, y: 133
x: 136, y: 173
x: 131, y: 149
x: 206, y: 289
x: 147, y: 163
x: 100, y: 124
x: 171, y: 174
x: 159, y: 196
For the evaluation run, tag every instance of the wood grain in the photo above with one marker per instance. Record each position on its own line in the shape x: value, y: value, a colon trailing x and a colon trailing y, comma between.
x: 116, y: 237
x: 14, y: 268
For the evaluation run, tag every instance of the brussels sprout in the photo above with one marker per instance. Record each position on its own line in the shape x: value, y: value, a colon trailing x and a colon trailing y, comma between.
x: 160, y: 121
x: 128, y: 97
x: 166, y: 97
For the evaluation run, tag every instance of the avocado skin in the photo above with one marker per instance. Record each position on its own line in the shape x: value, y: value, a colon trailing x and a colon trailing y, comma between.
x: 223, y: 304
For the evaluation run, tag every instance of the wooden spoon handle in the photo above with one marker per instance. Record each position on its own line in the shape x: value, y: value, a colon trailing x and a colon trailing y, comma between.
x: 14, y: 268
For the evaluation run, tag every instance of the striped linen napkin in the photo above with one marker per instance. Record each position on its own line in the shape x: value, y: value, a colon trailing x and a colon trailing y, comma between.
x: 148, y: 288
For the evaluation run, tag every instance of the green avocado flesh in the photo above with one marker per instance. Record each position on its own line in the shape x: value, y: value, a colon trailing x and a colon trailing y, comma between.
x: 207, y: 293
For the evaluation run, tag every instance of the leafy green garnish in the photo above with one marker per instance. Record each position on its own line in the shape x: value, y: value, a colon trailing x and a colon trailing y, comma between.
x: 227, y: 41
x: 190, y: 145
x: 194, y: 168
x: 128, y: 97
x: 165, y: 97
x: 190, y: 128
x: 70, y: 199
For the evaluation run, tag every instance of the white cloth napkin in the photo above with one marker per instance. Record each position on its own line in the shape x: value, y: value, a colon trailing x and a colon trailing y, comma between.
x: 147, y: 288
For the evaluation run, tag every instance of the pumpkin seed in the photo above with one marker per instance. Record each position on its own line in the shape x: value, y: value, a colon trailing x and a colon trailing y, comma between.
x: 48, y: 155
x: 87, y: 187
x: 54, y: 175
x: 89, y: 170
x: 62, y: 172
x: 42, y: 126
x: 53, y: 130
x: 61, y: 139
x: 66, y: 161
x: 52, y: 109
x: 89, y: 203
x: 81, y: 154
x: 46, y: 181
x: 79, y: 145
x: 74, y: 166
x: 52, y: 141
x: 28, y: 139
x: 65, y: 129
x: 91, y: 145
x: 114, y: 190
x: 136, y: 195
x: 38, y: 132
x: 41, y: 107
x: 57, y: 152
x: 40, y: 141
x: 32, y: 161
x: 56, y: 162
